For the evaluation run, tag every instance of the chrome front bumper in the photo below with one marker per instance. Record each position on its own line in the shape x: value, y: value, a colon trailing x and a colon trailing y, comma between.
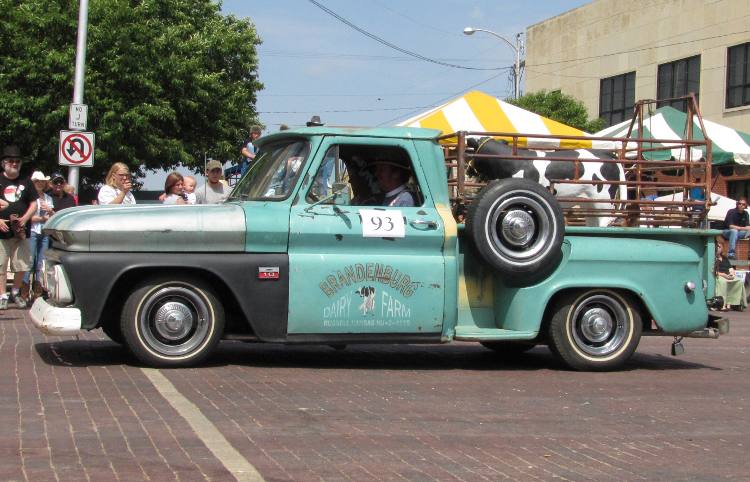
x: 54, y: 320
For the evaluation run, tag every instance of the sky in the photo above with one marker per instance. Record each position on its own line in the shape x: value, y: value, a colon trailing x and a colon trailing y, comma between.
x: 311, y: 63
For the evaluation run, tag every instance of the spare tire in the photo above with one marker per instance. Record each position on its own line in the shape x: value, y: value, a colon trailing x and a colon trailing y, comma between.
x: 517, y: 227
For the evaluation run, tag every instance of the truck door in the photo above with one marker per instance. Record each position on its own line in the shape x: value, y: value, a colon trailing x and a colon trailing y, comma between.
x: 359, y: 263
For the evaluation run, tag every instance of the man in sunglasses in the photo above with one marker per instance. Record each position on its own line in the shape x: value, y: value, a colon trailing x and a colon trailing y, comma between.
x: 736, y: 225
x: 60, y: 198
x: 213, y: 191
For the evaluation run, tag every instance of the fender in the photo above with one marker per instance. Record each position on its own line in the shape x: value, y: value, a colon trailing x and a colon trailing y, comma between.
x: 263, y: 302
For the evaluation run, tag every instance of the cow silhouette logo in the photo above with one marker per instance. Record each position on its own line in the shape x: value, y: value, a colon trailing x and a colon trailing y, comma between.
x: 368, y: 299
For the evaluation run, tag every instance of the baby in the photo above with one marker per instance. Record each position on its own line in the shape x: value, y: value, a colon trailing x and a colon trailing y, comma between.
x: 189, y: 186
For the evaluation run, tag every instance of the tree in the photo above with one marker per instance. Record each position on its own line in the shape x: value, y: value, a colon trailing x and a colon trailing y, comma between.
x: 166, y: 80
x: 560, y: 107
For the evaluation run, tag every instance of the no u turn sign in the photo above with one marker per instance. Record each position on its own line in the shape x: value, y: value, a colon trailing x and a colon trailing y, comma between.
x: 76, y: 149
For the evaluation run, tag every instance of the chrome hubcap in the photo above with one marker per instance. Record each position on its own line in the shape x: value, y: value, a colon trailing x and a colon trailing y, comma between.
x: 596, y: 325
x: 600, y: 324
x: 173, y: 320
x: 518, y: 227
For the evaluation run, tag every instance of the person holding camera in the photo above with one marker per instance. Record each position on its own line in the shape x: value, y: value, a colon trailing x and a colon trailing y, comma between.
x: 117, y: 186
x: 174, y: 189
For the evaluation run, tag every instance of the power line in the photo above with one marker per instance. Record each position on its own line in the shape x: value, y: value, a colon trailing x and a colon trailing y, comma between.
x: 381, y: 95
x: 413, y: 20
x: 364, y: 57
x: 393, y: 46
x: 440, y: 101
x: 338, y: 110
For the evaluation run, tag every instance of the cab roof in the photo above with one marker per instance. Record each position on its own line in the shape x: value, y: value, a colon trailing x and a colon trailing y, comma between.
x: 383, y: 132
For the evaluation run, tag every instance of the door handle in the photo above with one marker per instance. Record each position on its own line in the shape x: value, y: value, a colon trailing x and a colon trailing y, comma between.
x: 426, y: 223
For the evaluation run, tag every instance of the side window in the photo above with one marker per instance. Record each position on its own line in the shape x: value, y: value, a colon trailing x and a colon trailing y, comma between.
x: 331, y: 175
x: 362, y: 175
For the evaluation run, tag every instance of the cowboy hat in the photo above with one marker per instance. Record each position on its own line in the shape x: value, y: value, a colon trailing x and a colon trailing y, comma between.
x: 314, y: 121
x: 39, y: 176
x: 400, y: 164
x: 11, y: 152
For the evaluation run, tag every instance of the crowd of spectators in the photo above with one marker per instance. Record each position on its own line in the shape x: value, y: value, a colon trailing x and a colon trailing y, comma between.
x: 27, y: 202
x: 25, y: 205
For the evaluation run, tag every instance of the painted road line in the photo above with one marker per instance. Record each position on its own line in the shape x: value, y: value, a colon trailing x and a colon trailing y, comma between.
x: 235, y: 463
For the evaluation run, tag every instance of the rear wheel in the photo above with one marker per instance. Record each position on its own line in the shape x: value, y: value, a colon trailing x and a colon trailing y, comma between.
x: 595, y: 330
x: 172, y: 323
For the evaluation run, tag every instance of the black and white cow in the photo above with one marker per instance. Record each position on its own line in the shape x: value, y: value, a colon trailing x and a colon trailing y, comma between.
x: 541, y: 171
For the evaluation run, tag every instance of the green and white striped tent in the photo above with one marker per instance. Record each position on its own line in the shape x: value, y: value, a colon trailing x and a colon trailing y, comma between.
x: 729, y: 145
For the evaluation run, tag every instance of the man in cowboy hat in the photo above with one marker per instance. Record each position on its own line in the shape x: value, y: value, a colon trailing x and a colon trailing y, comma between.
x: 392, y: 177
x: 21, y: 197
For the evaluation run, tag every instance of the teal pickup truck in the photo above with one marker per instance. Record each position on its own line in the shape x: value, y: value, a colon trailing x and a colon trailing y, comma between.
x: 309, y: 249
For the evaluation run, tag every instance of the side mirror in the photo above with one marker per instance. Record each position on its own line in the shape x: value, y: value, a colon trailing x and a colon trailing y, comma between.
x: 341, y: 194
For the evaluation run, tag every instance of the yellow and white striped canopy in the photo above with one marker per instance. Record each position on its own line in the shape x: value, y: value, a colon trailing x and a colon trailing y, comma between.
x: 477, y: 111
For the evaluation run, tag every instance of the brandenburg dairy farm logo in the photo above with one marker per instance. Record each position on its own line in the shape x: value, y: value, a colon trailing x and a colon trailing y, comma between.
x: 356, y: 274
x: 373, y: 290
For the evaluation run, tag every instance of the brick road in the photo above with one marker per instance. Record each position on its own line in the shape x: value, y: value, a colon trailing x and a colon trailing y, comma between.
x: 83, y: 410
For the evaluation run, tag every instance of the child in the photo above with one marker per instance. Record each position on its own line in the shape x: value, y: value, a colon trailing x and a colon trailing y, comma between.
x: 189, y: 187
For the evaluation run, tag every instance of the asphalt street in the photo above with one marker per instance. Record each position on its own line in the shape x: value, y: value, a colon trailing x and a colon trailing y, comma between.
x: 83, y: 409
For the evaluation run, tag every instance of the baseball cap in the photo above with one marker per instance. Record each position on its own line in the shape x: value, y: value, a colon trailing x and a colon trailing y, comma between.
x: 213, y: 164
x: 56, y: 175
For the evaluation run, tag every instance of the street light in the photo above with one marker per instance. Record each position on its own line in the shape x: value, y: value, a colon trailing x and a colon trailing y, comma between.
x: 516, y: 48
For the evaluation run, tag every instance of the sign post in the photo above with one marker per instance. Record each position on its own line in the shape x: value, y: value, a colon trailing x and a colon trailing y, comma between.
x: 83, y: 25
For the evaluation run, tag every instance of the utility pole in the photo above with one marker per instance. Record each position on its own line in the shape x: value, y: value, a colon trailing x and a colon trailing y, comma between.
x: 83, y: 24
x: 517, y: 48
x: 517, y: 67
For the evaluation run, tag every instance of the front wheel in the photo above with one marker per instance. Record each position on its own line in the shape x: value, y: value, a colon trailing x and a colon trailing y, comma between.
x: 595, y: 330
x: 172, y: 323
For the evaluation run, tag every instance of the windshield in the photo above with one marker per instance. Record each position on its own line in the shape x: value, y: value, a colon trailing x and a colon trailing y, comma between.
x: 274, y: 172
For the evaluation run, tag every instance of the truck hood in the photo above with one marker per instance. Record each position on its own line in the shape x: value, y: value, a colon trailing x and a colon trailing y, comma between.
x: 152, y: 228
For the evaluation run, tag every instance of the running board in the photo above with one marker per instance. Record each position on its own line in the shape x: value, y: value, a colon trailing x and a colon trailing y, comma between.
x: 473, y: 333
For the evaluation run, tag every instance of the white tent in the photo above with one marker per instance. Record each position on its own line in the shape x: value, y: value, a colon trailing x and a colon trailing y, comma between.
x: 719, y: 204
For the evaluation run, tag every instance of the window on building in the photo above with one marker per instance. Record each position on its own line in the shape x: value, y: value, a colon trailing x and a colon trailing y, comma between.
x: 616, y: 98
x: 738, y: 188
x: 676, y: 79
x: 738, y: 75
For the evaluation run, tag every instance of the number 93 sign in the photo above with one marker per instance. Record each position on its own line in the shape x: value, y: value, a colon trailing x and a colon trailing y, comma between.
x: 378, y: 223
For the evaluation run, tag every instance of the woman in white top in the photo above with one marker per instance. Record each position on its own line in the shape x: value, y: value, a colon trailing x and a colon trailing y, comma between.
x: 38, y: 242
x: 117, y: 186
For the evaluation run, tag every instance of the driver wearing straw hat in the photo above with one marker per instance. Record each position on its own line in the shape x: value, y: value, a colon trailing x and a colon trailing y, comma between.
x: 392, y: 177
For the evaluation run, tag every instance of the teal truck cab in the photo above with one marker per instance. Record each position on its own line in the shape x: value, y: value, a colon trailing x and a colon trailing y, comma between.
x: 308, y: 249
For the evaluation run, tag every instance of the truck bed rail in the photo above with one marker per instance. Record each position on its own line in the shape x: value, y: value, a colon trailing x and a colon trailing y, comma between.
x: 643, y: 178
